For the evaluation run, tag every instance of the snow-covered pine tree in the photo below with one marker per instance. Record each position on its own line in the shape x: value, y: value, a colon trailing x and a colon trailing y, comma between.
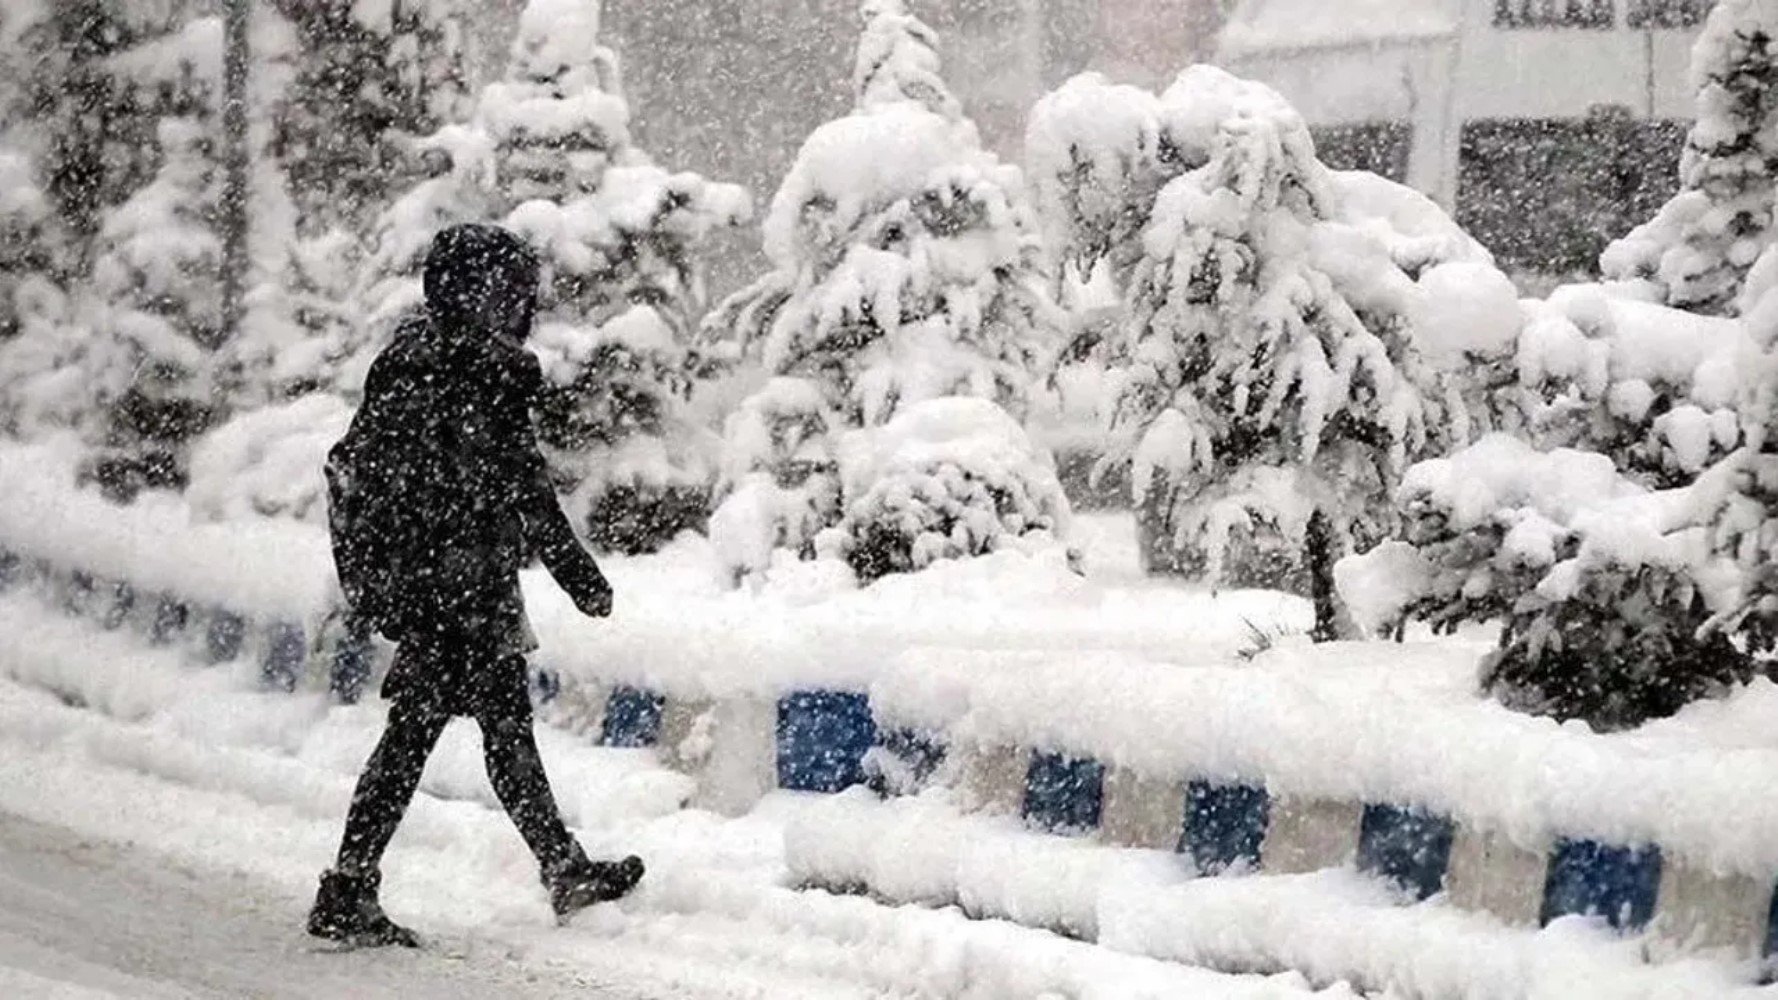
x: 363, y: 124
x: 1697, y: 250
x: 147, y: 357
x: 1098, y: 154
x: 1285, y: 359
x: 371, y: 78
x: 114, y: 81
x: 620, y: 240
x: 906, y: 267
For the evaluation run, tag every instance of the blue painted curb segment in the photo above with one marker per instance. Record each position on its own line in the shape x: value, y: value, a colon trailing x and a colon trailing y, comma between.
x: 1589, y: 878
x: 1064, y: 794
x: 821, y: 738
x: 1410, y: 847
x: 1225, y: 825
x: 632, y: 718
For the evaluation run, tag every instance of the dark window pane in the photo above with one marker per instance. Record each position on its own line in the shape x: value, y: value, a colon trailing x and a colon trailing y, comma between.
x: 1669, y: 13
x: 1547, y: 195
x: 1592, y: 14
x: 1379, y: 147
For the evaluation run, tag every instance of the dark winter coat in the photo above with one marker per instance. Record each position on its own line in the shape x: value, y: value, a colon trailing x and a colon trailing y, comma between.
x: 444, y: 435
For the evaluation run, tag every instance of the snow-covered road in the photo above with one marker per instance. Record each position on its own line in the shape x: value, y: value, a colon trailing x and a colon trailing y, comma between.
x: 84, y: 919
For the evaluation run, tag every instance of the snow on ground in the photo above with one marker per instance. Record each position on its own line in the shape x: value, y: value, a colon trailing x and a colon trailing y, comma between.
x: 253, y: 800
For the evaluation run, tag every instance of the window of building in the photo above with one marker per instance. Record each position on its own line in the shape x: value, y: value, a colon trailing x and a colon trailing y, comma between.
x: 1547, y: 195
x: 1656, y: 14
x: 1594, y: 14
x: 1379, y: 147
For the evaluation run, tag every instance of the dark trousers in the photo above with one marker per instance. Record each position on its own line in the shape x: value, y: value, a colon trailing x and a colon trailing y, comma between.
x: 515, y: 768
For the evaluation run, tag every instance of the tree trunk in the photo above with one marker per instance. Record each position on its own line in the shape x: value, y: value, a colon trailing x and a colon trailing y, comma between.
x: 235, y: 163
x: 1319, y: 555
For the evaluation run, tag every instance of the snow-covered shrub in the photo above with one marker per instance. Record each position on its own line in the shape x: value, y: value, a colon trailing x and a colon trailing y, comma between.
x: 906, y: 266
x: 1292, y: 338
x: 268, y: 462
x: 1606, y: 591
x: 780, y: 476
x: 946, y: 479
x: 1696, y: 252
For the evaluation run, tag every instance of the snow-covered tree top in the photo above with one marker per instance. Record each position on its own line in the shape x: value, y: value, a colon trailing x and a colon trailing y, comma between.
x: 897, y: 61
x: 1094, y: 150
x: 1696, y: 252
x: 957, y: 430
x: 1732, y: 24
x: 562, y: 86
x: 860, y: 164
x: 557, y: 36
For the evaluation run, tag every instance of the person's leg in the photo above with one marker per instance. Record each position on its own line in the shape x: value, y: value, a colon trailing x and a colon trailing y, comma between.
x: 515, y: 768
x: 346, y: 905
x: 388, y: 783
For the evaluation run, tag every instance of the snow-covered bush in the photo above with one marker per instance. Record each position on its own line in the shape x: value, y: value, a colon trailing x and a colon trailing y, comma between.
x: 1606, y: 590
x: 946, y: 479
x: 1696, y: 252
x: 268, y: 462
x: 1658, y: 391
x: 906, y: 266
x: 1292, y: 338
x: 1614, y: 543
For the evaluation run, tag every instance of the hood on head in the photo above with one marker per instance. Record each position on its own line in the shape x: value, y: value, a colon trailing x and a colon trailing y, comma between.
x: 481, y: 278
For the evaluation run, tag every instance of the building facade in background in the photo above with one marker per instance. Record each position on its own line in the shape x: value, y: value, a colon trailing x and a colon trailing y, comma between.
x: 1548, y: 126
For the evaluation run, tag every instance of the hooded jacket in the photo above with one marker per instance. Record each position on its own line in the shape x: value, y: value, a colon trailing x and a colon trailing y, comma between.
x: 445, y: 437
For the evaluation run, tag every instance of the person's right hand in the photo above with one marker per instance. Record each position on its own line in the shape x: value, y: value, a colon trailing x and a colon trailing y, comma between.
x: 595, y: 603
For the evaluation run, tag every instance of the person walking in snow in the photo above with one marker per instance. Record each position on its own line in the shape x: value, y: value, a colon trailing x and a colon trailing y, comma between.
x: 437, y: 494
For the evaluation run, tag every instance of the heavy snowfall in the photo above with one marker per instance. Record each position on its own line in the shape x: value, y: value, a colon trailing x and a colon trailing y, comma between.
x: 1091, y: 499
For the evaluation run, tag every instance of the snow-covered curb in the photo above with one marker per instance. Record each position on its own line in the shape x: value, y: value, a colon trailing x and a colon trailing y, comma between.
x: 1331, y: 925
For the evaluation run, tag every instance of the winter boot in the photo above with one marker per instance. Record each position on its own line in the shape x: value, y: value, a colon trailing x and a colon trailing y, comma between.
x: 580, y: 883
x: 346, y: 910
